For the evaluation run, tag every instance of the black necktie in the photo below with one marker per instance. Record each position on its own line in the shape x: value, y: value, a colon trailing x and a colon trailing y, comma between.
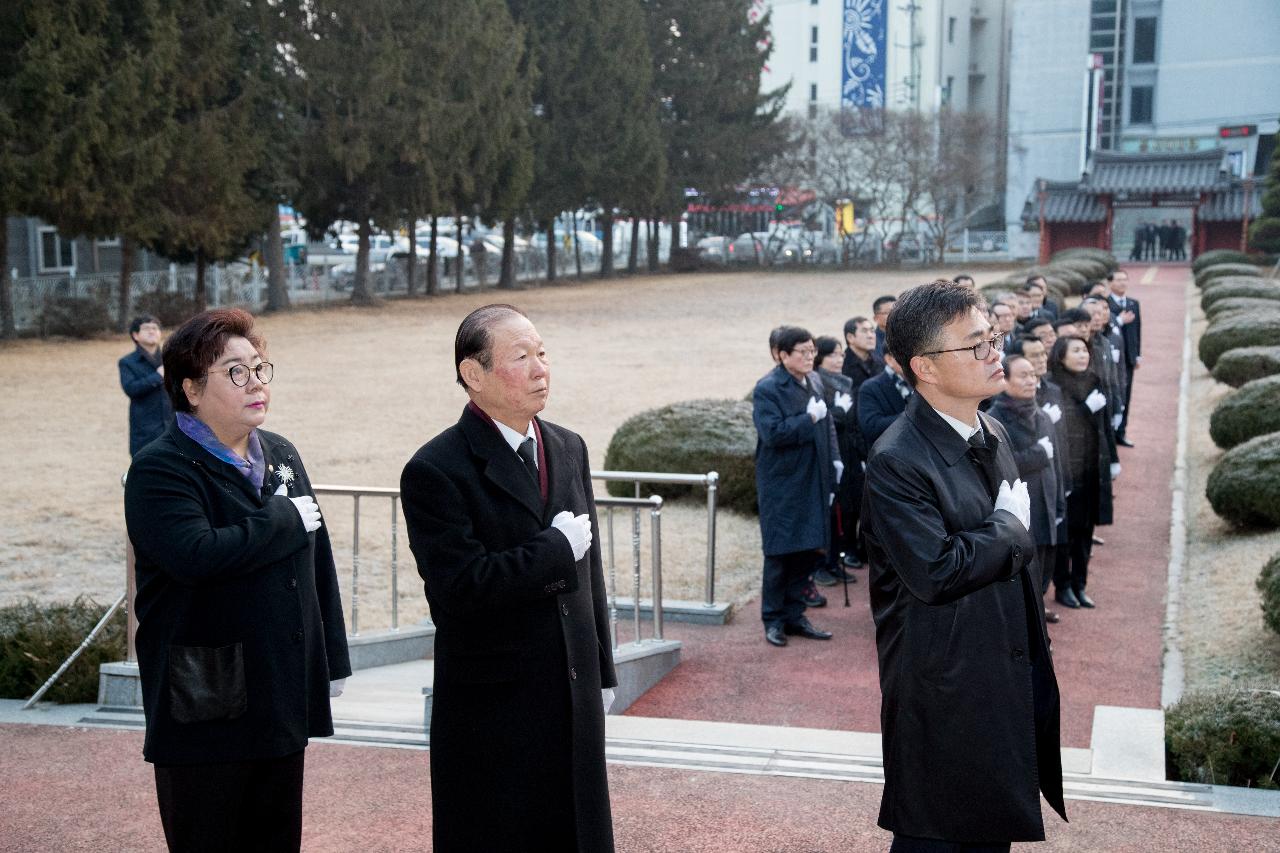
x: 985, y: 460
x: 528, y: 453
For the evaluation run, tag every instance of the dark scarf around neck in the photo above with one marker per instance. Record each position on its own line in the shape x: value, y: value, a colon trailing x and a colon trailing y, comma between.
x: 1077, y: 386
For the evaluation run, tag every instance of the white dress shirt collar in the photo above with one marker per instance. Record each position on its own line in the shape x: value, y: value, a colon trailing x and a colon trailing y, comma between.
x: 964, y: 430
x: 514, y: 438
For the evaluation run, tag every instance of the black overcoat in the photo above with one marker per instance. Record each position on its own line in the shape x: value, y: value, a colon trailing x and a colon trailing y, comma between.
x: 1026, y: 424
x: 1132, y: 331
x: 879, y: 405
x: 150, y: 412
x: 794, y: 474
x: 240, y: 626
x: 970, y: 735
x: 522, y: 645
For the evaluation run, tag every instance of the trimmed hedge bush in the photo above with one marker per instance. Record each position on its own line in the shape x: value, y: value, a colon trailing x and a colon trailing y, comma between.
x: 1238, y: 330
x: 1219, y: 256
x: 1244, y: 487
x: 74, y: 316
x: 1228, y: 737
x: 1077, y: 271
x: 1239, y: 286
x: 1269, y: 590
x: 1241, y: 305
x: 1100, y: 255
x: 691, y: 437
x: 1216, y: 271
x: 1235, y: 367
x: 36, y: 638
x: 1252, y: 411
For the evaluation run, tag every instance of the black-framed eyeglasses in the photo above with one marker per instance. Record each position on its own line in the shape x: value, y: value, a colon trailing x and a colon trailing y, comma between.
x: 981, y: 350
x: 239, y: 374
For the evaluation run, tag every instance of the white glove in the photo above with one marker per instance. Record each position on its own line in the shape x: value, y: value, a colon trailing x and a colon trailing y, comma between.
x: 839, y: 469
x: 1096, y: 401
x: 843, y: 401
x: 335, y: 687
x: 577, y: 529
x: 1115, y: 471
x: 1115, y: 354
x: 307, y: 509
x: 817, y: 409
x: 1047, y: 445
x: 1015, y: 500
x: 1053, y: 410
x: 607, y: 697
x: 1115, y: 420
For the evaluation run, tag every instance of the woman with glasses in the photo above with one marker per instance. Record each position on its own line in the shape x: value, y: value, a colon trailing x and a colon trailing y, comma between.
x: 1091, y: 464
x: 241, y: 640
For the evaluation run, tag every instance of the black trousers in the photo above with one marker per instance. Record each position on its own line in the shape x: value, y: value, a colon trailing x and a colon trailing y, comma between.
x: 785, y: 577
x: 237, y: 806
x: 1073, y: 566
x: 910, y: 844
x: 1047, y: 561
x: 1128, y: 392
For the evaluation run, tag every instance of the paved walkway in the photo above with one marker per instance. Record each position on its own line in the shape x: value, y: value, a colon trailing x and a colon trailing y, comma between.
x: 679, y: 784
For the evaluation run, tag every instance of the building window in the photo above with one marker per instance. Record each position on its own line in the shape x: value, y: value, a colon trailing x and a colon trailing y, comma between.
x: 1140, y: 98
x: 951, y: 30
x: 57, y: 254
x: 1144, y: 40
x: 813, y: 91
x: 948, y: 89
x: 813, y: 44
x: 813, y: 54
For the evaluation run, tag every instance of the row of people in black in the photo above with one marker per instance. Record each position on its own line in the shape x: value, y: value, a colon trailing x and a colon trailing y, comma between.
x: 1069, y: 376
x: 1166, y: 241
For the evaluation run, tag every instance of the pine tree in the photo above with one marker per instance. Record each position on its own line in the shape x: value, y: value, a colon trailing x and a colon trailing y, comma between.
x: 1264, y: 232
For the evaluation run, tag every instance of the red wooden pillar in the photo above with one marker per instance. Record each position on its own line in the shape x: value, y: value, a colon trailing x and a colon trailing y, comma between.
x: 1043, y: 257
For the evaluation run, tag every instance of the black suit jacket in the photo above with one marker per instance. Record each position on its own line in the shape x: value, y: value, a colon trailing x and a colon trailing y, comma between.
x: 969, y: 711
x: 879, y: 404
x: 522, y: 646
x: 1132, y: 331
x: 240, y: 626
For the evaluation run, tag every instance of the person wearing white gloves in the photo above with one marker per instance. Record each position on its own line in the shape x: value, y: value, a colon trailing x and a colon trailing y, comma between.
x: 1034, y: 441
x: 837, y: 393
x: 241, y: 641
x: 795, y: 481
x: 502, y: 523
x: 1091, y: 464
x: 970, y: 704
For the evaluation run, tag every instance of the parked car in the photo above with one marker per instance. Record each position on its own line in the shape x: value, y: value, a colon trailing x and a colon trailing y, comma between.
x: 746, y: 249
x: 714, y: 250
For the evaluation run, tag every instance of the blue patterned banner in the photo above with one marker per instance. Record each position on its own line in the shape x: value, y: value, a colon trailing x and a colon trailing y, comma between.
x: 863, y: 57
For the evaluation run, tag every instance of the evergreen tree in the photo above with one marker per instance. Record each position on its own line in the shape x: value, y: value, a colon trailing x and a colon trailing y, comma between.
x: 1264, y: 232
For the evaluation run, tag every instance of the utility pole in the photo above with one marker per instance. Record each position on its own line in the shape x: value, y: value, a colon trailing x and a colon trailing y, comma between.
x: 911, y: 83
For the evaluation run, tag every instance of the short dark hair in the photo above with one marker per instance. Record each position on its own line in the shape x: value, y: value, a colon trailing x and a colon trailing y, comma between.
x: 1035, y: 323
x: 883, y: 300
x: 1016, y: 346
x: 136, y: 324
x: 962, y: 275
x: 790, y: 337
x: 1036, y: 280
x: 851, y: 325
x: 826, y: 345
x: 1073, y: 315
x: 197, y: 344
x: 1010, y: 358
x: 917, y: 320
x: 473, y: 339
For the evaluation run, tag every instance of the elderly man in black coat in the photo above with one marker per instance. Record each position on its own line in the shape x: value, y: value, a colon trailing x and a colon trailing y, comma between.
x: 796, y: 476
x: 1128, y: 314
x: 970, y: 708
x: 501, y: 520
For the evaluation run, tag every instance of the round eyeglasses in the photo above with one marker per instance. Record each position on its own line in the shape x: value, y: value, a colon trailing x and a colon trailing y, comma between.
x: 239, y: 373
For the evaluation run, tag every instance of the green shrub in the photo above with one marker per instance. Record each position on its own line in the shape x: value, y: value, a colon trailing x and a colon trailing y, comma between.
x: 1101, y: 256
x: 36, y: 638
x: 1077, y: 272
x: 1219, y: 256
x: 1264, y: 234
x: 1227, y: 737
x: 1269, y: 590
x: 1238, y: 330
x: 1238, y: 286
x: 1216, y: 271
x: 1235, y: 367
x: 1252, y: 411
x: 1244, y: 487
x: 171, y: 308
x: 692, y: 437
x: 1241, y: 305
x: 74, y: 316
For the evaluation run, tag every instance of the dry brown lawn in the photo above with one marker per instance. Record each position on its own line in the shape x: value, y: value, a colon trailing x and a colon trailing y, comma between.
x: 358, y: 390
x: 1224, y: 640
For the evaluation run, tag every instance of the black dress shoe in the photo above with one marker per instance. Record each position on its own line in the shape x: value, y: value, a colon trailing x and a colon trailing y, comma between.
x: 851, y: 561
x: 822, y: 577
x: 813, y: 598
x: 1085, y: 601
x: 1067, y: 598
x: 802, y: 627
x: 1051, y: 617
x: 1123, y: 442
x: 775, y: 635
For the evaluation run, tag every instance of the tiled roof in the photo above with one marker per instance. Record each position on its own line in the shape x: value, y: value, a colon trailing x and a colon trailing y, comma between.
x: 1064, y: 201
x: 1111, y: 172
x: 1227, y: 205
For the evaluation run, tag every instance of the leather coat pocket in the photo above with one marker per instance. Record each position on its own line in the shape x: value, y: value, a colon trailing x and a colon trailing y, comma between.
x: 206, y: 683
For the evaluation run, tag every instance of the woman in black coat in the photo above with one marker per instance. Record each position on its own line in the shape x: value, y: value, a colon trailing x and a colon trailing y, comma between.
x: 837, y: 392
x: 241, y: 640
x: 1092, y: 463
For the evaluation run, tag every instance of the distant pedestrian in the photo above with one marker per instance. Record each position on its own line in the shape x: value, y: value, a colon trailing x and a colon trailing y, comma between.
x: 142, y: 378
x: 837, y: 393
x: 880, y: 314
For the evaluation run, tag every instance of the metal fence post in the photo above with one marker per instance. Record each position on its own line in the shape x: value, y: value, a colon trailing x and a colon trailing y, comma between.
x: 395, y: 585
x: 655, y: 530
x: 613, y: 585
x: 713, y: 480
x: 355, y: 567
x: 635, y: 567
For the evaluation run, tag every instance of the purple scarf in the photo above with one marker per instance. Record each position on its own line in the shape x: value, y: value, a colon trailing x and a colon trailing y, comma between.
x: 254, y: 468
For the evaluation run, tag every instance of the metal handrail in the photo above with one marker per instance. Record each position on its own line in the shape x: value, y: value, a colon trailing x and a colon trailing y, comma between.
x: 636, y: 505
x: 711, y: 480
x: 356, y: 493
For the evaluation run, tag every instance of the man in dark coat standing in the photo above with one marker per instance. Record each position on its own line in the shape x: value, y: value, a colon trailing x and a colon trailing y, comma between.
x: 970, y: 708
x: 796, y: 477
x: 1128, y: 313
x: 142, y: 378
x: 502, y: 522
x: 881, y: 399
